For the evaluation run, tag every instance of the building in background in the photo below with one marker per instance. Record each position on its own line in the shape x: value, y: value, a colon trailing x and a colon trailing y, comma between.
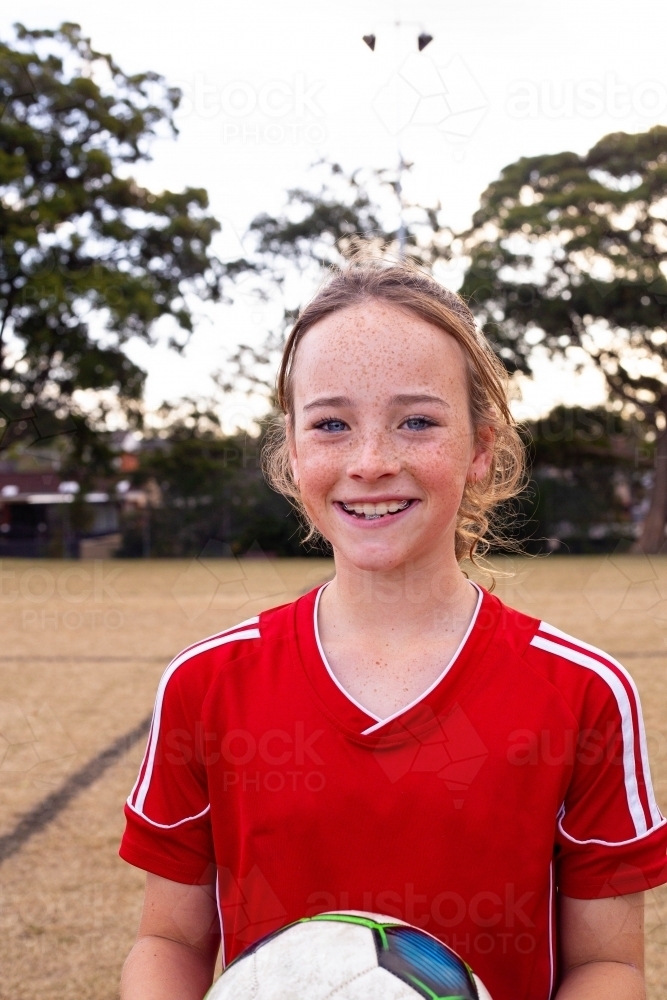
x: 42, y: 514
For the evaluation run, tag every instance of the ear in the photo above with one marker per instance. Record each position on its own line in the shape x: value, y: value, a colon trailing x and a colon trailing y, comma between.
x: 291, y: 448
x: 480, y: 462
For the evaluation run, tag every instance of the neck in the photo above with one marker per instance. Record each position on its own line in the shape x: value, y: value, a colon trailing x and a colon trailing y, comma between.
x: 425, y: 597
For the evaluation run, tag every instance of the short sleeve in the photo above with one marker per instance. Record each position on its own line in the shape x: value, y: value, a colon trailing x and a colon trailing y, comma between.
x: 167, y: 814
x: 611, y: 836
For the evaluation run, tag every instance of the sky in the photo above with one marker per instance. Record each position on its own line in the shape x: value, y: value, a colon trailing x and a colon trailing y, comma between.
x: 271, y: 87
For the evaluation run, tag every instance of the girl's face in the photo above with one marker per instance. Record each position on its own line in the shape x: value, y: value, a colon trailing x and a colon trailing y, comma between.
x: 381, y: 441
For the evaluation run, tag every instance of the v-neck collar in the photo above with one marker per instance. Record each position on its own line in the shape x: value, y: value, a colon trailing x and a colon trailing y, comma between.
x: 343, y: 708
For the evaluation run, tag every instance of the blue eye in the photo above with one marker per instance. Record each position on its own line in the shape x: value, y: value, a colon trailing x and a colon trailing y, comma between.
x: 417, y: 423
x: 332, y: 426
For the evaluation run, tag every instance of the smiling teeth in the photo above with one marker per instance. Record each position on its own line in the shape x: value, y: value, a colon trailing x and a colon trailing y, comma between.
x: 376, y: 509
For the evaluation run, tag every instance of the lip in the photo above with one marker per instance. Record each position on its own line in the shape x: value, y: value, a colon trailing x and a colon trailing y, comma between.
x: 373, y: 524
x: 382, y: 498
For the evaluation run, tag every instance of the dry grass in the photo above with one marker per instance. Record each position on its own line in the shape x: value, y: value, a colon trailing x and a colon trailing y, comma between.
x: 80, y: 663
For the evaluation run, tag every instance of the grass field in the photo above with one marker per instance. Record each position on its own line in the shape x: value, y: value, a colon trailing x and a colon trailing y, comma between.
x: 84, y: 646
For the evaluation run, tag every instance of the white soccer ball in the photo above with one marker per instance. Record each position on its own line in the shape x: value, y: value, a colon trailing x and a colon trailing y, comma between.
x: 352, y: 955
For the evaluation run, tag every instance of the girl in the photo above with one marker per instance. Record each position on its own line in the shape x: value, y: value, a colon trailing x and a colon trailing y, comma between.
x: 397, y: 741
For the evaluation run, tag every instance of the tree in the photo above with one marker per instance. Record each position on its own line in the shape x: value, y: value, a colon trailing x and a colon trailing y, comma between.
x: 586, y: 485
x: 88, y: 257
x: 209, y: 495
x: 318, y: 229
x: 568, y: 251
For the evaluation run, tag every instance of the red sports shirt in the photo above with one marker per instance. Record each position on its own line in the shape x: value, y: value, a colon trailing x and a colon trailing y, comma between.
x: 520, y: 772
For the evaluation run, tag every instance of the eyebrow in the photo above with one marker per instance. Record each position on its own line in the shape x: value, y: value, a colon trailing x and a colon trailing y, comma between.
x: 412, y: 399
x: 404, y: 399
x: 328, y: 401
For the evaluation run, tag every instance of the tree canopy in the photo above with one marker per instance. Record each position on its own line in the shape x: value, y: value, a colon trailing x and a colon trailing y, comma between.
x: 569, y: 251
x: 88, y: 257
x: 319, y: 227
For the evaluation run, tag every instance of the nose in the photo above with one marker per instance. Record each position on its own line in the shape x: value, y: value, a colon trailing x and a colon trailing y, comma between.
x: 373, y: 459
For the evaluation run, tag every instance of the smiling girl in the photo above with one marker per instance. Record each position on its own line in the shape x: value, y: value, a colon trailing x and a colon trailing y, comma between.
x: 398, y: 740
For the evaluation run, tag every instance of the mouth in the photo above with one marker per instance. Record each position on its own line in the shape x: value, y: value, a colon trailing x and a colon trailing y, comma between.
x: 375, y: 511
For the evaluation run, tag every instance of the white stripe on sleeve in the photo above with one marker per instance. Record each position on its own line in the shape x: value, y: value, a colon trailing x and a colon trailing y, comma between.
x: 201, y: 647
x: 627, y: 729
x: 654, y: 809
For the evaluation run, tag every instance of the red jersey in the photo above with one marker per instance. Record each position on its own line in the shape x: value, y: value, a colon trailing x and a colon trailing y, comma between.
x: 522, y: 771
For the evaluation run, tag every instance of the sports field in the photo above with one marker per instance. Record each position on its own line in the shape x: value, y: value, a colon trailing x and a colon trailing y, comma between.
x: 83, y: 647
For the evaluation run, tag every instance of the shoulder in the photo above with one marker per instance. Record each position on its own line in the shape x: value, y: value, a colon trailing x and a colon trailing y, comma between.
x: 511, y: 628
x: 199, y: 664
x: 579, y: 671
x: 586, y: 675
x: 206, y: 656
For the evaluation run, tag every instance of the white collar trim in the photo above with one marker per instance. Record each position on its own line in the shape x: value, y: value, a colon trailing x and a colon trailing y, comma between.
x: 378, y: 721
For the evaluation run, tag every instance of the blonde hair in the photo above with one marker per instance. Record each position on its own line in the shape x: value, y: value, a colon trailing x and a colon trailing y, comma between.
x: 406, y: 286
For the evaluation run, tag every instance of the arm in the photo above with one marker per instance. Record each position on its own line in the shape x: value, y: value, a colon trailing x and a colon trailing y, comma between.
x: 177, y: 943
x: 602, y: 948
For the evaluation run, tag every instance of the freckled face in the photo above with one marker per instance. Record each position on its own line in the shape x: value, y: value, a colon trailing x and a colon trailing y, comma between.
x: 381, y: 441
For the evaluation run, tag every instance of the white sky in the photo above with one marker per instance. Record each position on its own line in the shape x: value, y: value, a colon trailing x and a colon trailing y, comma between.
x: 273, y: 86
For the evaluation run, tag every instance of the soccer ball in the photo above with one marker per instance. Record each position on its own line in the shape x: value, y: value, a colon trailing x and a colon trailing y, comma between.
x: 352, y: 956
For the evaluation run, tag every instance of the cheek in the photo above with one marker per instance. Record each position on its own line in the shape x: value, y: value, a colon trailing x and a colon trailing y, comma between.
x: 444, y: 467
x: 443, y: 480
x: 442, y: 473
x: 318, y: 471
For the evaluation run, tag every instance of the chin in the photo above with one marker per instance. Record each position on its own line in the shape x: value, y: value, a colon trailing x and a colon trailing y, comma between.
x: 375, y: 558
x: 377, y: 564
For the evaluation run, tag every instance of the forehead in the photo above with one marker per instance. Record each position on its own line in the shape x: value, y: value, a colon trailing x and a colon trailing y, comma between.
x: 374, y: 346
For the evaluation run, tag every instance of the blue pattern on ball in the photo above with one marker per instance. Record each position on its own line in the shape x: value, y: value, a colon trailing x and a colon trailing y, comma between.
x: 421, y: 961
